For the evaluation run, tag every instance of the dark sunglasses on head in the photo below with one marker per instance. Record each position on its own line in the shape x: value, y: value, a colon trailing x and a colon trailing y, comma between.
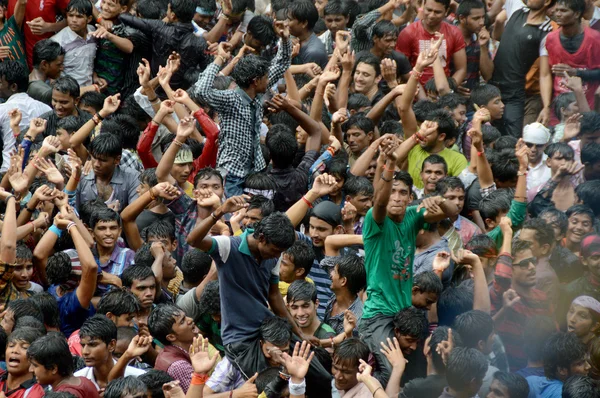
x: 525, y: 263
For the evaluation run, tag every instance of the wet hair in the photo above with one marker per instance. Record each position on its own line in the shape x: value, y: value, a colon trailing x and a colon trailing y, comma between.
x: 428, y: 282
x: 562, y: 101
x: 262, y: 30
x: 30, y: 322
x: 351, y: 351
x: 52, y: 350
x: 266, y: 206
x: 384, y: 28
x: 516, y: 384
x: 334, y: 7
x: 276, y: 229
x: 560, y: 217
x: 104, y: 215
x: 445, y: 123
x: 58, y: 268
x: 519, y: 246
x: 464, y: 365
x: 124, y: 127
x: 99, y: 326
x: 195, y: 266
x: 577, y: 6
x: 143, y: 256
x: 356, y: 101
x: 354, y: 186
x: 276, y: 330
x: 282, y: 145
x: 507, y: 142
x: 151, y: 9
x: 438, y: 335
x: 544, y: 233
x: 492, y: 205
x: 465, y: 7
x: 93, y: 99
x: 404, y: 177
x: 304, y: 11
x: 435, y: 159
x: 184, y: 10
x: 562, y: 349
x: 474, y: 326
x: 352, y: 268
x: 490, y: 134
x: 430, y: 86
x: 580, y: 209
x: 411, y: 322
x: 154, y: 379
x: 483, y: 246
x: 590, y: 153
x: 160, y: 229
x: 23, y: 251
x: 391, y: 127
x: 67, y: 85
x: 58, y: 394
x: 359, y: 121
x: 250, y: 68
x: 580, y: 387
x: 562, y: 149
x: 135, y: 273
x: 338, y: 167
x: 161, y: 320
x: 423, y: 108
x: 24, y: 307
x: 26, y: 334
x: 80, y: 6
x: 447, y: 183
x: 49, y: 308
x: 452, y: 302
x: 483, y: 94
x: 537, y: 331
x: 70, y: 124
x: 302, y: 255
x: 590, y: 123
x: 589, y: 193
x: 505, y: 166
x: 369, y: 59
x: 207, y: 173
x: 210, y: 300
x: 15, y: 72
x: 46, y: 50
x: 301, y: 290
x: 452, y: 100
x: 87, y: 208
x: 118, y: 302
x: 106, y: 145
x: 125, y: 387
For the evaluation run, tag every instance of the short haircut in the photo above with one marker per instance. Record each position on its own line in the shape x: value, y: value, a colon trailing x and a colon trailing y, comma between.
x: 184, y: 10
x: 562, y: 349
x: 352, y: 268
x: 58, y: 268
x: 143, y: 256
x: 562, y: 148
x: 276, y: 229
x: 70, y: 123
x: 357, y: 101
x: 195, y: 266
x: 87, y: 208
x: 265, y: 205
x: 302, y: 255
x: 207, y: 173
x: 435, y: 159
x: 24, y: 307
x: 81, y: 6
x: 106, y: 145
x: 490, y: 134
x: 369, y: 59
x: 304, y: 11
x: 260, y: 181
x: 354, y: 186
x: 562, y: 101
x: 338, y: 166
x: 404, y: 177
x: 452, y: 100
x: 519, y: 246
x: 580, y: 209
x: 93, y: 99
x: 384, y: 28
x: 464, y: 365
x: 52, y: 350
x: 334, y: 7
x: 411, y: 322
x: 428, y: 282
x: 15, y: 72
x: 104, y: 215
x: 276, y: 330
x: 445, y: 121
x: 250, y: 68
x: 135, y: 273
x: 454, y: 301
x: 154, y: 379
x: 465, y: 7
x: 580, y: 387
x: 544, y: 233
x: 505, y: 166
x: 447, y: 183
x: 49, y: 308
x: 262, y: 30
x: 210, y: 300
x: 118, y: 302
x: 282, y: 145
x: 391, y: 127
x: 125, y: 387
x: 535, y: 335
x: 474, y: 326
x: 483, y: 246
x: 161, y: 320
x: 125, y: 128
x: 577, y: 6
x: 516, y: 384
x: 301, y: 290
x: 99, y: 326
x: 67, y: 85
x: 46, y: 50
x: 491, y: 206
x: 25, y: 334
x: 505, y: 142
x: 351, y: 351
x: 590, y: 123
x: 589, y: 193
x: 484, y: 93
x: 424, y: 107
x: 590, y: 153
x: 160, y: 229
x: 359, y: 121
x: 445, y: 3
x: 560, y: 218
x: 23, y: 251
x: 438, y: 335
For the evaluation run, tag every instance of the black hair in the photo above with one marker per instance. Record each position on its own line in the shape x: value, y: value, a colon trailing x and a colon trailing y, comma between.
x: 46, y: 50
x: 238, y: 6
x: 93, y: 99
x: 302, y: 254
x: 435, y: 159
x: 357, y: 101
x: 276, y: 330
x: 405, y: 177
x: 334, y: 7
x: 562, y: 148
x: 452, y: 100
x: 544, y: 233
x: 464, y: 365
x: 265, y: 205
x: 474, y: 326
x: 151, y: 9
x: 143, y: 255
x: 577, y: 6
x: 490, y: 134
x: 590, y: 123
x: 125, y: 387
x: 428, y: 282
x: 148, y: 176
x: 359, y: 121
x: 535, y: 335
x: 124, y: 127
x: 58, y: 268
x: 282, y: 145
x: 374, y: 4
x: 519, y: 246
x: 338, y: 166
x: 391, y: 127
x: 30, y: 322
x: 580, y: 387
x: 206, y: 173
x: 507, y: 142
x: 23, y: 251
x: 304, y: 11
x: 15, y: 72
x: 135, y: 273
x: 384, y: 28
x: 283, y: 118
x: 118, y: 302
x: 106, y: 145
x: 369, y: 59
x: 278, y: 5
x: 590, y: 153
x: 492, y: 205
x: 505, y: 166
x: 81, y: 6
x: 161, y: 320
x: 195, y: 266
x: 184, y: 10
x: 301, y: 290
x: 484, y: 93
x: 445, y: 121
x: 452, y: 302
x: 352, y: 268
x: 262, y: 30
x: 67, y: 85
x: 352, y: 10
x: 465, y: 7
x: 562, y: 349
x: 448, y: 183
x: 58, y: 394
x: 562, y: 101
x: 561, y: 218
x: 250, y: 68
x: 411, y: 322
x: 52, y: 350
x: 580, y: 209
x: 360, y: 185
x: 438, y: 335
x: 70, y: 124
x: 131, y: 108
x: 24, y: 307
x: 430, y: 86
x: 210, y: 300
x: 589, y: 193
x: 154, y: 379
x: 25, y: 334
x: 423, y: 108
x: 104, y: 215
x: 99, y: 326
x: 351, y: 351
x: 49, y: 308
x: 516, y: 384
x: 276, y: 229
x: 482, y: 245
x: 87, y: 208
x: 160, y: 229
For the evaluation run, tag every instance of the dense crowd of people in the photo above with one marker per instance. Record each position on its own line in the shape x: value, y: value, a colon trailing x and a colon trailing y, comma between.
x: 273, y: 198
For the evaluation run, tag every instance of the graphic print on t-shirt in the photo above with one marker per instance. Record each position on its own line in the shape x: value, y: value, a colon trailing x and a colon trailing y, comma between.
x: 400, y: 262
x: 425, y: 45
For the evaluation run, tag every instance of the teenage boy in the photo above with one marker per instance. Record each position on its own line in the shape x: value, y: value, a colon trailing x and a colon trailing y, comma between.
x: 303, y: 16
x: 295, y: 264
x: 564, y: 356
x: 566, y: 264
x: 581, y: 223
x: 302, y: 303
x: 453, y: 189
x: 52, y: 364
x: 359, y: 192
x: 471, y: 21
x: 485, y: 96
x: 359, y: 131
x: 240, y: 150
x: 508, y: 385
x: 24, y: 271
x: 17, y: 309
x: 48, y: 64
x: 18, y: 380
x: 98, y: 340
x: 465, y: 370
x: 347, y: 357
x: 140, y: 281
x: 336, y: 19
x: 384, y: 35
x: 65, y: 96
x: 348, y: 278
x: 155, y: 256
x: 586, y: 284
x: 79, y: 43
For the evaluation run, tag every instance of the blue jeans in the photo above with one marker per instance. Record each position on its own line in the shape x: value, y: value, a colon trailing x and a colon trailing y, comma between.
x: 234, y: 185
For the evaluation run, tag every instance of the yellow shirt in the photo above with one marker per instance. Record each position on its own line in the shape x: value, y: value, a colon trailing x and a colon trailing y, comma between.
x: 284, y: 286
x: 456, y: 163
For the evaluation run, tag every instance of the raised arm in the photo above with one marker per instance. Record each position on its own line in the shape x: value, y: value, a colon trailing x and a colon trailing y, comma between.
x: 283, y: 59
x: 184, y: 131
x: 545, y: 90
x: 8, y: 242
x: 19, y: 13
x: 323, y: 185
x: 486, y: 63
x: 123, y: 44
x: 333, y: 243
x: 346, y: 78
x: 312, y: 128
x: 111, y: 104
x: 383, y: 187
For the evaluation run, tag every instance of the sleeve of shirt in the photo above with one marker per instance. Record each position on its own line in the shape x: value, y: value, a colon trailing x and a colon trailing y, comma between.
x: 221, y: 248
x: 370, y: 226
x: 219, y: 99
x: 220, y: 380
x: 319, y: 166
x: 146, y: 26
x: 208, y: 158
x: 517, y: 213
x: 182, y: 371
x: 543, y: 49
x: 458, y: 39
x: 144, y: 146
x: 189, y: 304
x: 281, y: 62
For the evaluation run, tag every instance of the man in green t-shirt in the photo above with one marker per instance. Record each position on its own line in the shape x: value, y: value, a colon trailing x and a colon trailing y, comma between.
x: 389, y: 233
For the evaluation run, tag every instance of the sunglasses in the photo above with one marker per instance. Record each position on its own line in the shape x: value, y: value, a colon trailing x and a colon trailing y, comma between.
x: 525, y: 263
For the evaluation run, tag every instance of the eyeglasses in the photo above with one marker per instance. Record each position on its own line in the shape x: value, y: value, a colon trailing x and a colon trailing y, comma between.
x: 525, y: 263
x: 531, y: 145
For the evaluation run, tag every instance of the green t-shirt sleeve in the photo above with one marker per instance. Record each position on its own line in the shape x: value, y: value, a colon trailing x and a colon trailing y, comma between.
x: 517, y: 213
x: 497, y: 236
x: 370, y: 226
x: 416, y: 217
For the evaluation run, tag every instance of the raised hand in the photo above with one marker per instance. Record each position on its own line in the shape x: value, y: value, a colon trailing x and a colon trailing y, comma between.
x: 510, y: 298
x: 224, y: 50
x: 506, y: 225
x: 166, y: 191
x: 37, y: 126
x: 278, y: 103
x: 334, y: 143
x: 388, y: 147
x: 201, y: 359
x: 441, y: 261
x: 15, y: 117
x: 44, y: 193
x: 143, y: 72
x: 476, y: 138
x: 173, y: 62
x: 172, y: 389
x: 463, y: 256
x: 48, y: 168
x: 482, y: 116
x: 101, y: 32
x: 568, y: 169
x: 185, y: 128
x: 18, y: 180
x: 324, y: 184
x: 572, y: 127
x: 342, y: 41
x: 235, y: 203
x: 157, y: 249
x: 573, y: 83
x: 522, y: 154
x: 348, y: 212
x: 282, y: 29
x: 388, y: 70
x: 428, y: 128
x: 111, y: 104
x: 180, y: 96
x: 139, y: 345
x: 348, y: 60
x: 350, y: 322
x: 484, y: 37
x: 445, y: 347
x: 164, y: 76
x: 297, y: 365
x: 206, y: 198
x: 248, y: 389
x: 393, y: 353
x: 61, y: 221
x: 340, y: 116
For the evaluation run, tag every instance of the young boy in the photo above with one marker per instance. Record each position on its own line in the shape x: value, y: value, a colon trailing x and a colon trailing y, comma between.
x: 452, y: 189
x: 508, y: 385
x: 259, y: 207
x: 52, y: 364
x: 64, y: 130
x: 79, y: 44
x: 48, y: 64
x: 581, y: 223
x: 336, y: 19
x: 303, y: 16
x: 346, y: 360
x: 348, y: 278
x: 17, y: 366
x: 140, y: 281
x: 24, y: 271
x: 485, y: 96
x: 359, y: 192
x: 585, y: 284
x: 98, y: 340
x: 302, y: 303
x: 296, y: 263
x: 565, y: 106
x: 559, y: 190
x: 410, y: 327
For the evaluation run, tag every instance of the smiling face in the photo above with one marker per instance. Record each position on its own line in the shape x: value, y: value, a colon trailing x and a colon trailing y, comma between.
x: 303, y: 312
x: 579, y: 226
x: 106, y: 234
x: 111, y: 9
x: 63, y: 104
x: 365, y: 78
x: 433, y: 14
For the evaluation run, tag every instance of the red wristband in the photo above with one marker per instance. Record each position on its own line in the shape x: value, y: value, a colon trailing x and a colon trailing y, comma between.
x: 307, y: 202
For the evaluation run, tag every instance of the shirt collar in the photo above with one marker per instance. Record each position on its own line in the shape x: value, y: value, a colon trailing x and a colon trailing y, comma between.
x: 245, y: 97
x: 114, y: 257
x: 117, y: 177
x: 457, y: 223
x: 243, y: 247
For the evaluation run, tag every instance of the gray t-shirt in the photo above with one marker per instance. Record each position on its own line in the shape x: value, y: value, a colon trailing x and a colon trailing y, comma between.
x: 313, y: 51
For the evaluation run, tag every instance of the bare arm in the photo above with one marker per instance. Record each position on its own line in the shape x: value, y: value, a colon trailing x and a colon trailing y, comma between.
x: 333, y: 243
x: 460, y: 66
x: 8, y: 241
